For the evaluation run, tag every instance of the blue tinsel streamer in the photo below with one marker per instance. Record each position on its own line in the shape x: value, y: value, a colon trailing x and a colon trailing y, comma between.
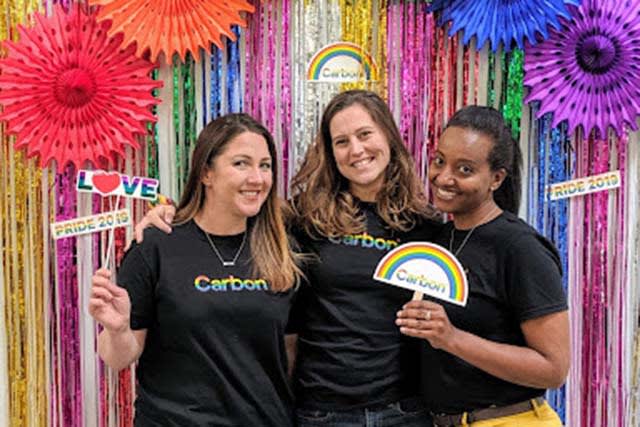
x: 229, y: 80
x: 234, y: 88
x: 216, y: 76
x: 554, y: 165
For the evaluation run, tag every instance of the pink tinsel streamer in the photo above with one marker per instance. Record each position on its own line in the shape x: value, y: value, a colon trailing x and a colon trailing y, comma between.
x: 66, y: 393
x: 409, y: 30
x: 268, y: 94
x: 602, y: 386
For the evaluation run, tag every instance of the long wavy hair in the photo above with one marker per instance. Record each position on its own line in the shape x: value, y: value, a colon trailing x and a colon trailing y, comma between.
x: 322, y: 203
x: 274, y: 259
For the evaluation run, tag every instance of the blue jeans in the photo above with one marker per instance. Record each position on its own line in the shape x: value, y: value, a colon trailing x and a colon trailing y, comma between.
x: 405, y: 413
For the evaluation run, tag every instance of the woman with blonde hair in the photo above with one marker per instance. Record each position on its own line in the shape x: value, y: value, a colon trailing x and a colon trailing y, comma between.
x: 204, y: 309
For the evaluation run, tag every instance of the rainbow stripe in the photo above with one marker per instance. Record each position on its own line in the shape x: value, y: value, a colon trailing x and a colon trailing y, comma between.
x: 428, y: 252
x: 329, y: 52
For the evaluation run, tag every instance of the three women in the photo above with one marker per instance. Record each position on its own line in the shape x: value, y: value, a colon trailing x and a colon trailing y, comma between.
x: 357, y: 196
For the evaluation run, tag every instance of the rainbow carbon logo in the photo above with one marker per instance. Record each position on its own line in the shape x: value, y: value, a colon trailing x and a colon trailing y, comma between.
x: 365, y: 240
x: 229, y: 284
x: 341, y: 62
x: 427, y: 268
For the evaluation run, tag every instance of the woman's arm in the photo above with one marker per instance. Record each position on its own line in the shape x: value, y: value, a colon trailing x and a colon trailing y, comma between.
x: 121, y: 349
x: 109, y: 304
x: 543, y: 363
x: 291, y: 343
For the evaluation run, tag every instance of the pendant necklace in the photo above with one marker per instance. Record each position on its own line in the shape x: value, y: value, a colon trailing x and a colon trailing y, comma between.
x: 466, y: 238
x: 235, y: 258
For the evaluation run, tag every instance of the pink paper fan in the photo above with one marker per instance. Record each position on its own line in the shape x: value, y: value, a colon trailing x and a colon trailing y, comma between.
x: 588, y: 71
x: 71, y: 93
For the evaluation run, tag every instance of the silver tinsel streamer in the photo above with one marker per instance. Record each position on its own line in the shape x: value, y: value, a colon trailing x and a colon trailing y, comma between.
x: 318, y: 22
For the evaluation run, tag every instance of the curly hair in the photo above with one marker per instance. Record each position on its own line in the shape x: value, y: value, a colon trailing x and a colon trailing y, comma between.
x: 322, y: 203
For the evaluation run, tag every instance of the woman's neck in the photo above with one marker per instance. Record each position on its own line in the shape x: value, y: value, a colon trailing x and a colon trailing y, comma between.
x: 482, y: 214
x: 220, y: 223
x: 366, y: 193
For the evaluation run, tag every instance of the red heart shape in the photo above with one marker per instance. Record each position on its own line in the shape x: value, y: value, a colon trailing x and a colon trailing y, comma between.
x: 105, y: 183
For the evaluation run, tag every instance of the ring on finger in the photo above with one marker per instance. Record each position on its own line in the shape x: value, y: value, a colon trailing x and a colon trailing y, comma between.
x: 427, y: 315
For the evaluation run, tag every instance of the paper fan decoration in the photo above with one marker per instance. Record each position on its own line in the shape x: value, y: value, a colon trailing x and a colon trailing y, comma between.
x: 505, y: 21
x: 71, y: 93
x: 588, y: 71
x: 173, y: 25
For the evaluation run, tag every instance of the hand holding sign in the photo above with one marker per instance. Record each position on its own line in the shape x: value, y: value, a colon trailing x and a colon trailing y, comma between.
x: 109, y: 304
x: 426, y: 268
x: 428, y: 320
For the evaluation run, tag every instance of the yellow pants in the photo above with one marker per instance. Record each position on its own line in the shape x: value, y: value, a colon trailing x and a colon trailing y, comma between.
x: 541, y: 416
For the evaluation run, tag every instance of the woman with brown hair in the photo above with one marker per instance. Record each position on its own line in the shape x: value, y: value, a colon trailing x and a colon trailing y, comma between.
x: 356, y: 196
x: 204, y: 308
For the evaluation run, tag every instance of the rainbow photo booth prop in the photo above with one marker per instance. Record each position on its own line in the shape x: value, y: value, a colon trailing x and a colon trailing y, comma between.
x: 427, y: 268
x: 341, y: 62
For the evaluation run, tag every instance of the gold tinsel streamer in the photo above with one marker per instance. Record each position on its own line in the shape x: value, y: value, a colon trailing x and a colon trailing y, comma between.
x: 364, y: 23
x: 22, y: 259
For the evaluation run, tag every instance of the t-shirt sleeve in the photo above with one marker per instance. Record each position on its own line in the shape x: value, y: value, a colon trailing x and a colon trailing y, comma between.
x: 298, y: 304
x: 137, y: 276
x: 534, y: 278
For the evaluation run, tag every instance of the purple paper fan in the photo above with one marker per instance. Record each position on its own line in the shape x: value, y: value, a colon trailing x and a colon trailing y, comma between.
x: 588, y: 71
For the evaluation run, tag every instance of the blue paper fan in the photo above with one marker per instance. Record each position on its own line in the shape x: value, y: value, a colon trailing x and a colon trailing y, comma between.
x: 505, y: 21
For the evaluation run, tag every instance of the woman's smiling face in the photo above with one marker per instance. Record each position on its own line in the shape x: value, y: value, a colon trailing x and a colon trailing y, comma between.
x: 361, y: 151
x: 460, y: 173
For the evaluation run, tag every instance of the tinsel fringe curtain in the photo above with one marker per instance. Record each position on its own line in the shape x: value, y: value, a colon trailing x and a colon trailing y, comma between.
x: 49, y: 372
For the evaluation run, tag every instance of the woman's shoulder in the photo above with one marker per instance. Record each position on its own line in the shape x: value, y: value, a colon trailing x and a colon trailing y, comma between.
x: 518, y: 236
x: 426, y: 228
x: 512, y: 225
x: 154, y: 237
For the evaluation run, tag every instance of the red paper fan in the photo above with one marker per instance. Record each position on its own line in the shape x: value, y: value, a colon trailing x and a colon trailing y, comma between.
x: 173, y: 25
x: 71, y: 93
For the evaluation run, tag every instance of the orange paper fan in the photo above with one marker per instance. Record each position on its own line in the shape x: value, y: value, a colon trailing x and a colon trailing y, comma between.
x: 171, y: 26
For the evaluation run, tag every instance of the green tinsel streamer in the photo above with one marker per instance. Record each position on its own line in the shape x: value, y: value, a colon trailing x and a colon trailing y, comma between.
x: 189, y: 106
x: 152, y: 139
x: 512, y: 108
x: 177, y: 125
x: 491, y: 91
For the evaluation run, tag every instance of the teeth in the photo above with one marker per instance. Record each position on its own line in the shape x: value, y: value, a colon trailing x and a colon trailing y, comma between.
x: 363, y: 162
x: 444, y: 194
x: 250, y: 193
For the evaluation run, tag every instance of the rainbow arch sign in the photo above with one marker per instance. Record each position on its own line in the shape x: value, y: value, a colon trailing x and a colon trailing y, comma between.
x: 341, y: 62
x: 427, y: 268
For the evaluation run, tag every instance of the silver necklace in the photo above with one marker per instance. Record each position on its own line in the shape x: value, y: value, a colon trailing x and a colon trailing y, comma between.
x: 466, y: 238
x: 235, y: 258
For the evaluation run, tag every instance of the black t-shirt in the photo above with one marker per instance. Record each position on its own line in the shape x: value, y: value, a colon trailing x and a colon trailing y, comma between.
x: 514, y: 275
x: 350, y: 351
x: 214, y: 353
